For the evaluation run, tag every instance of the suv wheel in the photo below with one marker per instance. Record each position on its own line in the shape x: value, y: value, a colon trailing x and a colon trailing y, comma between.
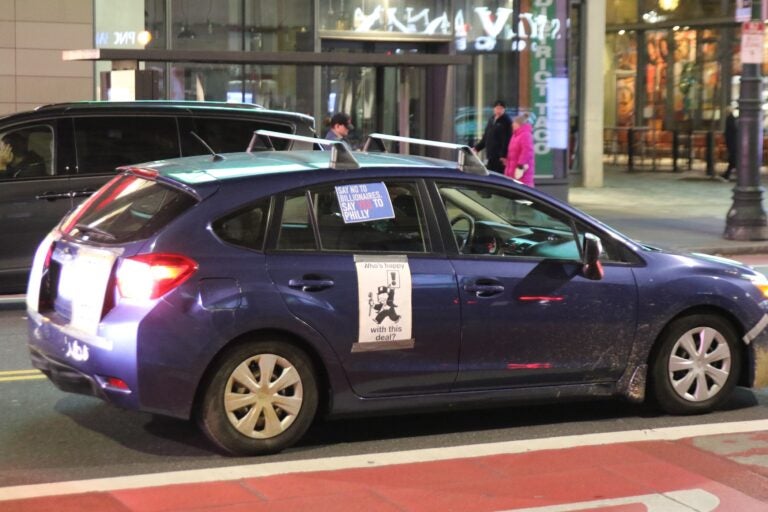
x: 261, y: 398
x: 697, y: 364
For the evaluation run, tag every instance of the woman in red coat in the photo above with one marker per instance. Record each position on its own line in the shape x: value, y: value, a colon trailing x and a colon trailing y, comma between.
x: 519, y: 161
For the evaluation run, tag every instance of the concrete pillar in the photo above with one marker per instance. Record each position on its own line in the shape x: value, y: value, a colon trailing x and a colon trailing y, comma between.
x: 592, y: 92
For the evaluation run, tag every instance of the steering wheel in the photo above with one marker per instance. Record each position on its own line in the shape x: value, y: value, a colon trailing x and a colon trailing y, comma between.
x: 470, y: 231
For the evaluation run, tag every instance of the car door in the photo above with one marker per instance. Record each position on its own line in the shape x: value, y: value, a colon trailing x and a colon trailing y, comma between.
x: 529, y: 316
x: 34, y: 196
x: 380, y: 290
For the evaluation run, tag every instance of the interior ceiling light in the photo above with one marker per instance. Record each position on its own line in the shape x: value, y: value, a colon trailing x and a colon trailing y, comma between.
x: 668, y: 5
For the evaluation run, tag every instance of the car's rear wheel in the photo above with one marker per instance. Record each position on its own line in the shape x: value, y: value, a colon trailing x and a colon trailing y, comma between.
x: 697, y: 364
x: 261, y: 398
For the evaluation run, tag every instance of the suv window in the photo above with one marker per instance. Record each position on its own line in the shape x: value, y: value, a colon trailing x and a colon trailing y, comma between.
x: 26, y: 152
x: 105, y: 143
x: 405, y: 232
x: 127, y: 209
x: 245, y: 227
x: 232, y: 135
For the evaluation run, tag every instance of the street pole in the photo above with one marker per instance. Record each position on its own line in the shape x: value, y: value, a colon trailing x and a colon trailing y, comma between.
x: 746, y: 220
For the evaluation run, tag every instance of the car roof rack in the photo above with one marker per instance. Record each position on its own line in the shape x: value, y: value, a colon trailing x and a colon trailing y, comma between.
x: 162, y: 103
x: 341, y: 156
x: 467, y: 160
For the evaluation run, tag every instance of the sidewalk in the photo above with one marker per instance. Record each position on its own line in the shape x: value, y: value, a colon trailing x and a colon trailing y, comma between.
x: 697, y: 474
x: 683, y: 211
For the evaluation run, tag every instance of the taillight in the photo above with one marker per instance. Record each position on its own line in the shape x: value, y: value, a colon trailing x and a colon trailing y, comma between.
x: 149, y: 276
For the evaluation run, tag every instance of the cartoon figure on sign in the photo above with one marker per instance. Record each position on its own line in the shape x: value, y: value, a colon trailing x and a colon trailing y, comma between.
x: 384, y: 306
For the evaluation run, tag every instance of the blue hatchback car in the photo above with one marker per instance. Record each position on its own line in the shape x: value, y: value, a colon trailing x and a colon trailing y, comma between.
x: 256, y: 291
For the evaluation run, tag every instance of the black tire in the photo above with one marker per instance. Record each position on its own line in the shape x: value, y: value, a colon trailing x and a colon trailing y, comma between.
x: 697, y: 364
x: 268, y: 420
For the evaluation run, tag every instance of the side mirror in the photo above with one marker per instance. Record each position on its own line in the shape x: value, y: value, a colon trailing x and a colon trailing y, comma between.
x: 593, y: 248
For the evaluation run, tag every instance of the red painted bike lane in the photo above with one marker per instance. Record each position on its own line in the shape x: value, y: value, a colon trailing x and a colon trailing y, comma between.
x: 728, y: 472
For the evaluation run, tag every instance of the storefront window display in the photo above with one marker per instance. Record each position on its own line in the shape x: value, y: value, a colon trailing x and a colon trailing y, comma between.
x: 656, y: 57
x: 625, y: 56
x: 682, y: 74
x: 685, y: 69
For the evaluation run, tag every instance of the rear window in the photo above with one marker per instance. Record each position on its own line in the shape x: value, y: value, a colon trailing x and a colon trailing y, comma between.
x: 127, y: 209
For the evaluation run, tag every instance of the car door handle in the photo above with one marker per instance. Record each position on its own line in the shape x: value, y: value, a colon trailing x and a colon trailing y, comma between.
x: 310, y: 285
x: 484, y: 287
x: 82, y: 193
x: 53, y: 196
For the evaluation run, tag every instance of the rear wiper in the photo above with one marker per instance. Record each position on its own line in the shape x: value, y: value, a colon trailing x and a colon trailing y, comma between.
x: 84, y: 228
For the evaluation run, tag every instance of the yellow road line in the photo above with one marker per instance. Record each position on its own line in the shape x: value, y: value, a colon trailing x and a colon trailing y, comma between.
x: 23, y: 377
x: 11, y: 375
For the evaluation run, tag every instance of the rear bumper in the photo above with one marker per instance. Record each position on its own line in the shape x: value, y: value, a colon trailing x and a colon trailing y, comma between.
x: 65, y: 377
x: 83, y: 364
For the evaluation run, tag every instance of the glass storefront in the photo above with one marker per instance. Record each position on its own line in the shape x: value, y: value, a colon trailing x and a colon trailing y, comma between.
x: 517, y: 49
x: 672, y: 65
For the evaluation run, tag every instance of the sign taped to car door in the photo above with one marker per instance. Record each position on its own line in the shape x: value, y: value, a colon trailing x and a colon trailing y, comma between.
x: 384, y: 303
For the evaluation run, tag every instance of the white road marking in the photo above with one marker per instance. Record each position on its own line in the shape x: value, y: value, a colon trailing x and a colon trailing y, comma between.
x: 689, y: 500
x: 374, y: 460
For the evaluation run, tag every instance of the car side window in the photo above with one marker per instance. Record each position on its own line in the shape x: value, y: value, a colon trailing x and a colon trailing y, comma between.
x: 245, y: 227
x: 405, y: 232
x: 105, y: 143
x: 296, y: 233
x: 486, y: 221
x: 27, y: 152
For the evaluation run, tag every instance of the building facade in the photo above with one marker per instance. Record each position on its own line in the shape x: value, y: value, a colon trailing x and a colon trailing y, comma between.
x: 33, y: 34
x: 419, y: 68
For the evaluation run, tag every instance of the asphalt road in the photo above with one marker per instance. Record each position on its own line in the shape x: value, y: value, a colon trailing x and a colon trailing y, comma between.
x: 47, y: 435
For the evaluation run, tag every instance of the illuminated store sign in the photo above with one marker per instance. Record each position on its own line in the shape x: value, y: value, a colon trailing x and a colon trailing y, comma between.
x: 388, y: 19
x: 118, y: 39
x: 482, y: 29
x: 499, y: 25
x: 549, y: 95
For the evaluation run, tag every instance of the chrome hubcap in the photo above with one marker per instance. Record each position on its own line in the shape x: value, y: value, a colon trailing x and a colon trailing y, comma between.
x: 263, y: 396
x: 700, y: 364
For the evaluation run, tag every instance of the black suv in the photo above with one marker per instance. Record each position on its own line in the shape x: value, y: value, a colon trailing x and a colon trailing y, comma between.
x: 54, y: 156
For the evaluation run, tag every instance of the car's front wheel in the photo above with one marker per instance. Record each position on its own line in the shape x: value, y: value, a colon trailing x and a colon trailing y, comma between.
x: 696, y: 365
x: 261, y: 398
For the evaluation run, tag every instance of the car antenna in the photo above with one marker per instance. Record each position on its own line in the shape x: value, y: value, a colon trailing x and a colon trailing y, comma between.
x: 216, y: 157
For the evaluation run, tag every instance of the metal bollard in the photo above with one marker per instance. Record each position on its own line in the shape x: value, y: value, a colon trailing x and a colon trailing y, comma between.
x: 710, y: 153
x: 630, y: 148
x: 690, y: 149
x: 675, y: 150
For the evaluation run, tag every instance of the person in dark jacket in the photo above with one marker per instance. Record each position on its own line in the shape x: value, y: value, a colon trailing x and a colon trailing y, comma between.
x: 731, y: 142
x: 496, y: 138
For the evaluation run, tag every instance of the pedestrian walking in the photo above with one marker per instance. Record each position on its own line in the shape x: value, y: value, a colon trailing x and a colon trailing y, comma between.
x: 731, y: 134
x: 496, y: 137
x: 519, y: 163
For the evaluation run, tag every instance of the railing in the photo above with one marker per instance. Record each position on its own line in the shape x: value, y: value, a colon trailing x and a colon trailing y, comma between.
x: 646, y: 149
